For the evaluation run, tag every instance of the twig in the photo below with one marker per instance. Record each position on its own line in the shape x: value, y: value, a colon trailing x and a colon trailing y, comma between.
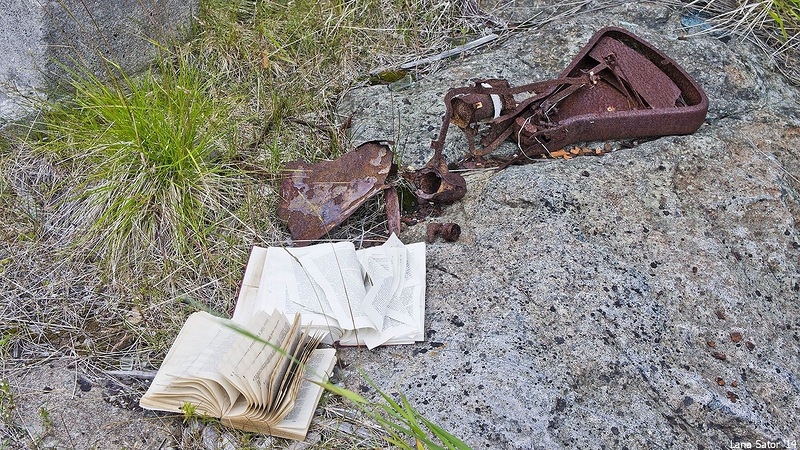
x: 452, y: 52
x: 772, y: 159
x: 141, y: 374
x: 67, y: 430
x: 325, y: 128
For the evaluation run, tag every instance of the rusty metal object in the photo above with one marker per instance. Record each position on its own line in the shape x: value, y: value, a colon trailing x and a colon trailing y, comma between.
x: 634, y: 91
x: 317, y: 197
x: 392, y: 201
x: 617, y: 87
x: 477, y: 106
x: 436, y: 183
x: 449, y: 231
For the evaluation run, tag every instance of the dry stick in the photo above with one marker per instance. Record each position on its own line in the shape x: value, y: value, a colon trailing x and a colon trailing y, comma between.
x: 772, y: 159
x: 66, y: 430
x: 141, y: 374
x: 452, y: 52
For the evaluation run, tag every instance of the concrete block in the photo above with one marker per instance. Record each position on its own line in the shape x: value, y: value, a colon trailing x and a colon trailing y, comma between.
x: 39, y: 37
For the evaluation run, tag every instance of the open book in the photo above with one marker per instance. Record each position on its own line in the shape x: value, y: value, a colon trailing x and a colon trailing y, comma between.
x: 372, y: 297
x: 224, y: 372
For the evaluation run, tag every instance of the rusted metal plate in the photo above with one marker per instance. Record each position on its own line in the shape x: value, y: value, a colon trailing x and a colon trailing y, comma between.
x: 317, y: 197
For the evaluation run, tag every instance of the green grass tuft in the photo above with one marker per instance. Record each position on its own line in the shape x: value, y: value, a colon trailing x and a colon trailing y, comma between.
x: 786, y: 15
x: 152, y: 163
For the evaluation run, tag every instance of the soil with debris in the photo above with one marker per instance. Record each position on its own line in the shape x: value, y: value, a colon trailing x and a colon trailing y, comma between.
x: 646, y: 298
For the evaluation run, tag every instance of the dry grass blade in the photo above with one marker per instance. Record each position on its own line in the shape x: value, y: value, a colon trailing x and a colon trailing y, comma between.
x: 774, y: 25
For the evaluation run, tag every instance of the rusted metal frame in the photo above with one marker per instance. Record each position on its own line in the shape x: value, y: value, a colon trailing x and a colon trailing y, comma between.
x: 617, y: 87
x: 654, y: 97
x: 435, y: 182
x: 501, y: 126
x: 538, y: 126
x: 392, y: 207
x: 547, y: 137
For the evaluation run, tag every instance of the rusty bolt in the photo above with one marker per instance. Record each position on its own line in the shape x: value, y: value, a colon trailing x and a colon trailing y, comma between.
x: 750, y: 346
x: 719, y: 356
x: 736, y: 336
x: 734, y: 383
x: 433, y: 230
x: 720, y: 381
x: 732, y: 397
x: 450, y: 232
x: 711, y: 344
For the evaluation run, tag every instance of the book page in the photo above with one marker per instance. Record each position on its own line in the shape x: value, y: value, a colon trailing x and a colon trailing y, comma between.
x: 416, y: 254
x: 250, y: 363
x: 293, y: 344
x: 379, y: 268
x: 407, y: 306
x: 189, y: 369
x: 323, y: 281
x: 318, y: 369
x: 292, y: 377
x: 246, y: 304
x: 393, y: 332
x: 388, y: 260
x: 288, y: 287
x: 405, y: 311
x: 335, y: 267
x: 291, y: 414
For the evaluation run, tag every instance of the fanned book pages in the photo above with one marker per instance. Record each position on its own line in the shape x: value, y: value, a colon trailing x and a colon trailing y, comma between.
x: 226, y: 373
x: 372, y: 297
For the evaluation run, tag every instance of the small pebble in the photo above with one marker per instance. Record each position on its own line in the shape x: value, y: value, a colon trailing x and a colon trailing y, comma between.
x: 84, y: 384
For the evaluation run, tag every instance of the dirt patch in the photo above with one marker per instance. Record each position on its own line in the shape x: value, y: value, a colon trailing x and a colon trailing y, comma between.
x: 58, y: 404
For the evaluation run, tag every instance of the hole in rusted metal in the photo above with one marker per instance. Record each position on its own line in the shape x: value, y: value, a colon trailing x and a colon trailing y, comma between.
x: 430, y: 183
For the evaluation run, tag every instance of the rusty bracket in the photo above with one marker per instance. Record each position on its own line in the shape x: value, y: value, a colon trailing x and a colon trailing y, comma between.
x: 435, y: 183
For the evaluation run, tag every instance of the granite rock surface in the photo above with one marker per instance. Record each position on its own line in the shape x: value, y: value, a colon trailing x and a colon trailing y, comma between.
x: 647, y: 298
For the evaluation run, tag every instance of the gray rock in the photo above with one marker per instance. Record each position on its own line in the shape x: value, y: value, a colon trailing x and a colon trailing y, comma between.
x: 41, y: 42
x: 591, y: 302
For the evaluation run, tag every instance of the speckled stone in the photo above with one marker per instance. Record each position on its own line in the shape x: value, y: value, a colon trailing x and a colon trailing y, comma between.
x: 577, y: 308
